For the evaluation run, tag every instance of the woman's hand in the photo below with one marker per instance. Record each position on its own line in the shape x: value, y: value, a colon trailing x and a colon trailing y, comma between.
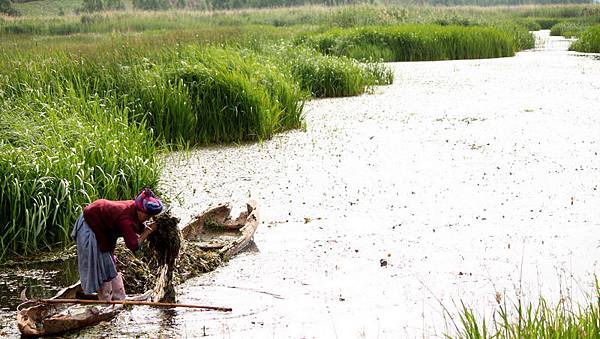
x: 147, y: 230
x: 152, y: 227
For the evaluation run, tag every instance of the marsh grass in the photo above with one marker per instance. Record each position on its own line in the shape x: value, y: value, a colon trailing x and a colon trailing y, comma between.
x: 236, y: 95
x: 534, y: 320
x: 588, y: 42
x: 328, y: 75
x: 76, y: 127
x: 57, y: 155
x: 568, y: 29
x: 414, y: 43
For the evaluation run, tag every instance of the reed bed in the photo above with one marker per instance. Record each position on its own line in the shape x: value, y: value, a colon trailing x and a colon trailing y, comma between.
x: 328, y: 76
x: 414, y: 43
x: 236, y: 96
x: 589, y: 41
x: 309, y: 16
x: 57, y: 154
x: 568, y: 29
x: 76, y: 127
x: 534, y: 320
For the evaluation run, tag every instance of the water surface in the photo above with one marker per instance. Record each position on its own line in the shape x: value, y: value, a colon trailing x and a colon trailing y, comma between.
x: 466, y: 180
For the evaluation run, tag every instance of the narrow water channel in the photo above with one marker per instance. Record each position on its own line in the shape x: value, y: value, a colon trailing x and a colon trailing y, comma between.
x: 466, y: 180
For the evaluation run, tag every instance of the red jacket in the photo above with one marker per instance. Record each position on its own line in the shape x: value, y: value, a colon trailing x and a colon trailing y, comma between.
x: 113, y: 219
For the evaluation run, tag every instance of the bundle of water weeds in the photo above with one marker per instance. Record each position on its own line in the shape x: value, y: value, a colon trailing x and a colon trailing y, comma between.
x: 137, y: 275
x: 156, y: 258
x: 164, y: 245
x: 140, y: 271
x: 165, y: 242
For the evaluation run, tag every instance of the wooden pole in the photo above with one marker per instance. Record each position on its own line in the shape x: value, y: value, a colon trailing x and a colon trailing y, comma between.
x: 131, y: 302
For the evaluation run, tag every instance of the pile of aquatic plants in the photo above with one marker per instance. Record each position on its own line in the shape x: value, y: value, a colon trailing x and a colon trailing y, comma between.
x: 165, y: 243
x: 539, y: 320
x: 140, y: 271
x: 589, y: 41
x: 414, y: 43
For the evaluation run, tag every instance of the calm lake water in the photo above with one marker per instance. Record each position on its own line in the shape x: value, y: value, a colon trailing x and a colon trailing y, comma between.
x: 465, y: 180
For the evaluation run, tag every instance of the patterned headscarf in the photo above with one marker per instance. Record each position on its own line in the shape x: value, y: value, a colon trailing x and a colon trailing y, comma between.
x: 148, y: 202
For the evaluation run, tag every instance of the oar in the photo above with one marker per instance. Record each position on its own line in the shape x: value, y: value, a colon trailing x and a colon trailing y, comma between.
x: 130, y: 302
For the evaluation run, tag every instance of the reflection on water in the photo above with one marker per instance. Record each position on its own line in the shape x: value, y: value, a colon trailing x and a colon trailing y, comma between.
x: 42, y: 280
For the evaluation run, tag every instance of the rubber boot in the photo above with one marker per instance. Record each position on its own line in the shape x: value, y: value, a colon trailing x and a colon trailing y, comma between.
x: 118, y: 289
x: 105, y: 291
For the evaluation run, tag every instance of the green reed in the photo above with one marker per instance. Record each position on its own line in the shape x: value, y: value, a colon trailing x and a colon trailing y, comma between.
x: 568, y: 28
x: 76, y: 127
x: 539, y: 320
x: 59, y: 153
x: 235, y: 94
x: 589, y: 41
x: 327, y: 75
x: 415, y: 43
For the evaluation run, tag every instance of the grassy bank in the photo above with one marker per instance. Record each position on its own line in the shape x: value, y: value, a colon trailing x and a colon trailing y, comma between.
x: 589, y: 41
x: 414, y: 43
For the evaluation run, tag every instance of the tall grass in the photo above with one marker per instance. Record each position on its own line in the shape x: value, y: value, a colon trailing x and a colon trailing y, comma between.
x: 236, y: 95
x: 74, y: 128
x: 589, y: 41
x: 57, y: 154
x: 568, y: 29
x: 327, y: 75
x: 415, y: 43
x: 539, y: 320
x: 305, y: 16
x: 87, y: 101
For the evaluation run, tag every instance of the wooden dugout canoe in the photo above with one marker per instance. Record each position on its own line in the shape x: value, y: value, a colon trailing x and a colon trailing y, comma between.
x: 213, y: 230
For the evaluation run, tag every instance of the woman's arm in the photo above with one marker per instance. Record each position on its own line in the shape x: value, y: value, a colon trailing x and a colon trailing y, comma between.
x: 147, y: 230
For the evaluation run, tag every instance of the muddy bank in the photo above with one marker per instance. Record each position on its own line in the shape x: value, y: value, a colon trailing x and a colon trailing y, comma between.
x: 463, y: 180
